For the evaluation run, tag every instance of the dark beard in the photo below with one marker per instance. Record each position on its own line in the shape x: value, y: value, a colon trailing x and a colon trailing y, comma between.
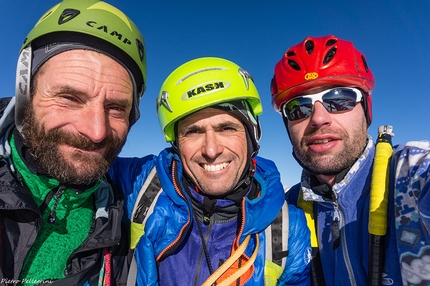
x: 84, y: 169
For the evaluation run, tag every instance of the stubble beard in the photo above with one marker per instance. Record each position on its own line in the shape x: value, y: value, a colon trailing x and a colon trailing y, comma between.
x: 81, y: 169
x: 334, y: 163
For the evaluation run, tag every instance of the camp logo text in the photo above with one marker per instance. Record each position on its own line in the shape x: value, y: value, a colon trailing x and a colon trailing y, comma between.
x: 205, y: 89
x: 311, y: 75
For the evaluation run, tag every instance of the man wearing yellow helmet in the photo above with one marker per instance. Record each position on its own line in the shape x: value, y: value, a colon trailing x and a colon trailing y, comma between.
x: 208, y: 224
x: 77, y: 95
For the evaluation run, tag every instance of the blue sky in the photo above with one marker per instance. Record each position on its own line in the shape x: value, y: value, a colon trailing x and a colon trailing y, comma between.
x: 394, y: 36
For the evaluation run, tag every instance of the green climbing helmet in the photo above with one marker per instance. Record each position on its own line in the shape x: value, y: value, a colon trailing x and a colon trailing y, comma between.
x: 92, y: 24
x: 201, y: 83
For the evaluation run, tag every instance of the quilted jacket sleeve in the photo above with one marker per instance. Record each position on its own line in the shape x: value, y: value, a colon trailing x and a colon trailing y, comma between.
x: 296, y: 270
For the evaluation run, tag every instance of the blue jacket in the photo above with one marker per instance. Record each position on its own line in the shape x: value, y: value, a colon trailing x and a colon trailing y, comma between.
x: 171, y: 241
x: 407, y: 245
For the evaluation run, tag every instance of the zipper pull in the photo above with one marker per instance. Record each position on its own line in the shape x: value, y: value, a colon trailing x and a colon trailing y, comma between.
x: 208, y: 209
x: 206, y: 219
x: 336, y: 221
x: 52, y: 216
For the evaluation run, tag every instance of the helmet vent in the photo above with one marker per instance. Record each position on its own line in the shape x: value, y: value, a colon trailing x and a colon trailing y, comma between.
x: 67, y: 15
x: 309, y: 46
x: 291, y: 53
x: 330, y: 54
x: 365, y: 63
x: 330, y: 42
x: 294, y: 65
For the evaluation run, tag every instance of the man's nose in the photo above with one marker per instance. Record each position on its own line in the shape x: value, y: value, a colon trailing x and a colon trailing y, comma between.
x: 320, y: 116
x: 93, y: 124
x: 211, y: 145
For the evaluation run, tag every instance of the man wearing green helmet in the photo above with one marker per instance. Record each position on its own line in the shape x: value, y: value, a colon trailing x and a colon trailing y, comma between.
x: 208, y: 225
x: 81, y: 73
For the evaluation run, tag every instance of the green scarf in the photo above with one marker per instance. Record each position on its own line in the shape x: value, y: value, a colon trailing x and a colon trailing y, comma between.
x: 56, y: 241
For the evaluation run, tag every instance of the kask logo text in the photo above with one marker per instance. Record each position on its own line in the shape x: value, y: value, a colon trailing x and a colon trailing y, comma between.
x: 205, y: 89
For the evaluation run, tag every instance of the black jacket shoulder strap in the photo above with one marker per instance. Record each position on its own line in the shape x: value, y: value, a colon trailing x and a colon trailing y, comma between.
x: 277, y: 238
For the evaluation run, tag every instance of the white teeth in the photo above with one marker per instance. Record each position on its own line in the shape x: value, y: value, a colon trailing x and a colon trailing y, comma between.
x: 321, y: 141
x: 214, y: 168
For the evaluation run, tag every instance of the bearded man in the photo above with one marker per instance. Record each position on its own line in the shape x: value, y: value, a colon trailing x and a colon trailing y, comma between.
x: 77, y: 96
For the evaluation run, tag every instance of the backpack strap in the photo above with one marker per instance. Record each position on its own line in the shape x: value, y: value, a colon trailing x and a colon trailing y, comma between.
x: 143, y: 207
x: 277, y: 238
x: 276, y: 247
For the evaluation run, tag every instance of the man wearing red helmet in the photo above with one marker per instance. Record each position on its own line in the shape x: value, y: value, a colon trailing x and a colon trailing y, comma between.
x: 368, y: 213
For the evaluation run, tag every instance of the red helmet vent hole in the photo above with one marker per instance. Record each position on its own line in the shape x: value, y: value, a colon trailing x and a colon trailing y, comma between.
x: 291, y: 53
x: 294, y: 65
x: 330, y: 42
x: 309, y: 46
x: 365, y: 63
x: 330, y: 54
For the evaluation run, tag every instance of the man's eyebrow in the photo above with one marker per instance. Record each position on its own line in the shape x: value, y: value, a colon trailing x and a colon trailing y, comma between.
x: 69, y: 90
x: 189, y: 126
x: 73, y: 91
x: 216, y: 126
x: 228, y: 124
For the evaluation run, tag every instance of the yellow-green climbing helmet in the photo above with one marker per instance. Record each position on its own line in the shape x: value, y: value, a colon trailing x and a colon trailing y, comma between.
x: 95, y: 24
x: 201, y: 83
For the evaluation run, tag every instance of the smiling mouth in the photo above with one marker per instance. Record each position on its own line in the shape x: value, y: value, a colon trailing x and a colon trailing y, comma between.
x: 214, y: 168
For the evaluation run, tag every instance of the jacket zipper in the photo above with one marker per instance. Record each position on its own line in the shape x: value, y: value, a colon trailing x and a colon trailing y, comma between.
x: 210, y: 222
x: 335, y: 227
x: 53, y: 215
x: 339, y: 231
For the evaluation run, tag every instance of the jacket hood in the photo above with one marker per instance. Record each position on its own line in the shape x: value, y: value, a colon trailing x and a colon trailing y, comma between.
x: 257, y: 218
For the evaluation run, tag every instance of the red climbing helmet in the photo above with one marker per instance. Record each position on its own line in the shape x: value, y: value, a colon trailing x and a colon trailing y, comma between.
x: 318, y: 62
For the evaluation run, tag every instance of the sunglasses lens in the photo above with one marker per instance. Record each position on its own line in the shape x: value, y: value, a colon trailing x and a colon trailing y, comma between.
x: 335, y: 100
x: 298, y: 108
x: 338, y: 100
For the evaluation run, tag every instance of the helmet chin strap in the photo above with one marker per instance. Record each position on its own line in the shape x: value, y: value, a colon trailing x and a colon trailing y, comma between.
x: 22, y: 87
x: 246, y: 177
